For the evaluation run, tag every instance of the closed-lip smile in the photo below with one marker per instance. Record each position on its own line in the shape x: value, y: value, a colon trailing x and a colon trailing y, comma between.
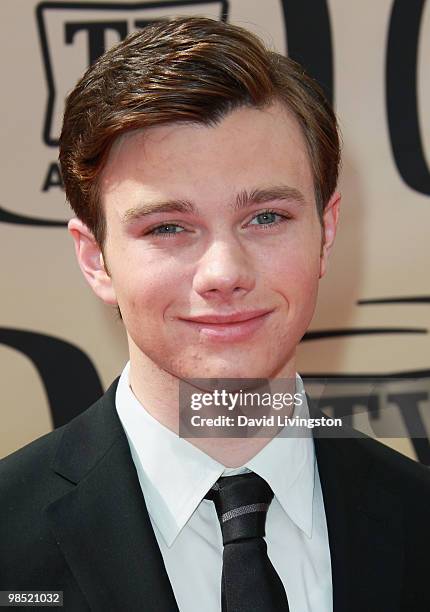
x: 233, y: 327
x: 225, y: 319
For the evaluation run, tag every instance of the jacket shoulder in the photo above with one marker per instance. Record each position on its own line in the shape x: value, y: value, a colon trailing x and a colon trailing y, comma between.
x: 399, y: 472
x: 20, y: 468
x: 32, y: 461
x: 27, y: 476
x: 30, y: 481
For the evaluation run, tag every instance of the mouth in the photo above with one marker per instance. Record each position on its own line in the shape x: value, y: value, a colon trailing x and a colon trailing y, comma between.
x: 229, y: 328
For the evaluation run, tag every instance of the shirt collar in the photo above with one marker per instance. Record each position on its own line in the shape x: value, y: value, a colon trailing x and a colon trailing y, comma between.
x: 175, y: 475
x: 288, y: 465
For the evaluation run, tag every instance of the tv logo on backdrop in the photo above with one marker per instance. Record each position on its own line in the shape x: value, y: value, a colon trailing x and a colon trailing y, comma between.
x: 74, y: 34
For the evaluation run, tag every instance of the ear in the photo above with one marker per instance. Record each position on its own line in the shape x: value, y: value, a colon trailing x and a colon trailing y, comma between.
x: 90, y: 259
x: 330, y: 220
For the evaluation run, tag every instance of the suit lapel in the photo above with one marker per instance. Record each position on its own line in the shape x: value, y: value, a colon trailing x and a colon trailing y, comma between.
x: 102, y: 525
x: 364, y: 524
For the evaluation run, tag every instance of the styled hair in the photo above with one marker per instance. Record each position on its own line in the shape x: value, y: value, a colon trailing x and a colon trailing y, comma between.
x: 190, y: 69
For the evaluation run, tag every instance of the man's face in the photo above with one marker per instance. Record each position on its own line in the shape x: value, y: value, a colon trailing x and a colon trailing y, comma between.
x: 251, y: 245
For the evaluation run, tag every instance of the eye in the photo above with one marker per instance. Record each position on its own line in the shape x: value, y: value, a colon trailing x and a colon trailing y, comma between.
x: 267, y: 218
x: 165, y: 230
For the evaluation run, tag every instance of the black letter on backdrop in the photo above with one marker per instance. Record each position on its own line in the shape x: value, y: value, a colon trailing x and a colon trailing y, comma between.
x: 408, y: 404
x: 96, y: 35
x: 68, y: 375
x: 53, y: 177
x: 401, y: 94
x: 307, y: 24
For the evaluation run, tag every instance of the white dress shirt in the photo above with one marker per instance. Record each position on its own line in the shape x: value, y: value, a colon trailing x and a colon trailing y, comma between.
x: 175, y: 476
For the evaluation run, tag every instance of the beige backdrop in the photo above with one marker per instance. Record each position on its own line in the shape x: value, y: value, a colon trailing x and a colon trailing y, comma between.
x: 382, y: 249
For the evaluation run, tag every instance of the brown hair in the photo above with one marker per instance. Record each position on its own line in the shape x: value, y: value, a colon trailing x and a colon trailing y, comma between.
x: 190, y: 69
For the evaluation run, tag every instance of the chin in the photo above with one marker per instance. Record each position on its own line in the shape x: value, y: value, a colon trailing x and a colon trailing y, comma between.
x: 226, y: 370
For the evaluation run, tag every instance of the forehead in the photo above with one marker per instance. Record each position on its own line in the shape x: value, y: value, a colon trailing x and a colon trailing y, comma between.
x: 248, y: 148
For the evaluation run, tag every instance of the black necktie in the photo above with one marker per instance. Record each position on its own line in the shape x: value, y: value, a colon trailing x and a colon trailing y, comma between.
x: 249, y: 581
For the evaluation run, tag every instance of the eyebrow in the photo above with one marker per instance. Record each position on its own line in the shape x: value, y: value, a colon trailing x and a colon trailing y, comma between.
x: 243, y: 200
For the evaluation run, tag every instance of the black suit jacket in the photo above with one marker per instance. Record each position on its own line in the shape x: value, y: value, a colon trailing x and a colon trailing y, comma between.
x: 73, y: 518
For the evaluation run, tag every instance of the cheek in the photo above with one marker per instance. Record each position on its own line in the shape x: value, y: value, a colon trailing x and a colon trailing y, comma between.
x: 296, y: 269
x: 147, y: 288
x: 145, y: 295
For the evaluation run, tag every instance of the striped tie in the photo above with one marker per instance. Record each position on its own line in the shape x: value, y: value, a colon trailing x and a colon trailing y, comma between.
x: 249, y: 580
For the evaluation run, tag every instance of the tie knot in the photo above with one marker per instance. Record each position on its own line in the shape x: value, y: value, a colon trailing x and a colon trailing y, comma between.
x: 241, y: 503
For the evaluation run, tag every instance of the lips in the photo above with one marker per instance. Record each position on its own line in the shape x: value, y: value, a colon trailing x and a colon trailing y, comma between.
x: 225, y: 319
x: 233, y: 327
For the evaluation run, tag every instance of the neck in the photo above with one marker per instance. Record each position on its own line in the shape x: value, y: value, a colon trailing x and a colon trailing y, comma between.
x: 158, y: 391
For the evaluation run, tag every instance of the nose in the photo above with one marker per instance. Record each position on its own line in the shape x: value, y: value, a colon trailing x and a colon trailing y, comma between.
x: 224, y: 271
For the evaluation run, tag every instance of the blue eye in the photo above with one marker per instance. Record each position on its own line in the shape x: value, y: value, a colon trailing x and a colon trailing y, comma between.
x: 268, y: 218
x: 269, y: 215
x: 158, y: 231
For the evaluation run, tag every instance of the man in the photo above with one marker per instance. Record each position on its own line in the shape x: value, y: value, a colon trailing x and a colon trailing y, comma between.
x: 202, y: 169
